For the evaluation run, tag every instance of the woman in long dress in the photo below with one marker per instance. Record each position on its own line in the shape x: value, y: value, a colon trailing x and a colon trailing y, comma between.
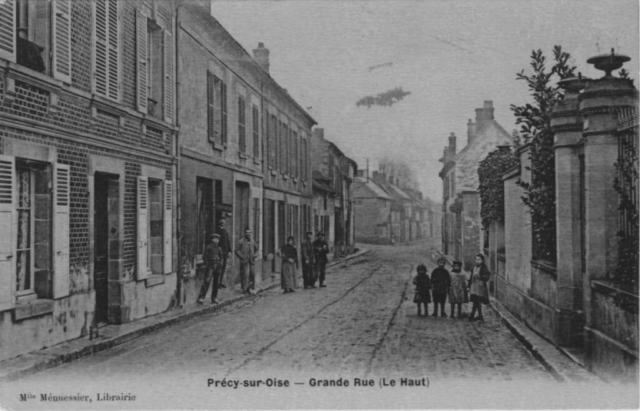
x: 478, y: 287
x: 288, y: 279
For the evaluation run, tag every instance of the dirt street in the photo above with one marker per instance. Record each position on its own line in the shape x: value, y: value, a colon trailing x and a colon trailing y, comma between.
x: 363, y: 325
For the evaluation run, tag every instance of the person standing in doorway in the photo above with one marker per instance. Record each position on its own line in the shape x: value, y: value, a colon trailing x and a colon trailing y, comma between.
x: 320, y: 251
x: 246, y: 251
x: 308, y: 262
x: 212, y: 257
x: 225, y: 245
x: 478, y: 288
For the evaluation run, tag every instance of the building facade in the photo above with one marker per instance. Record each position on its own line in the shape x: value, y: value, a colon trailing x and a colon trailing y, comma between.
x: 461, y: 225
x: 87, y: 132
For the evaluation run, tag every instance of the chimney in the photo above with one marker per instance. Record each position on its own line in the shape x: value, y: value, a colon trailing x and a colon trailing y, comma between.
x: 471, y: 131
x: 261, y: 56
x: 484, y: 114
x: 452, y: 145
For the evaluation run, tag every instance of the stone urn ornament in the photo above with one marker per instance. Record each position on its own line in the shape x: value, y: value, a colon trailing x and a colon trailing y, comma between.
x: 608, y: 62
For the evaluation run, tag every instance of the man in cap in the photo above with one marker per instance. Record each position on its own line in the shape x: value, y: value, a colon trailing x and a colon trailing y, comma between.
x: 225, y: 245
x: 212, y: 257
x: 308, y: 261
x: 320, y: 251
x: 246, y: 251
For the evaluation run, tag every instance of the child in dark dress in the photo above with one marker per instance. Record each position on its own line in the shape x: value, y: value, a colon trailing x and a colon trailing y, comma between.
x: 440, y: 286
x: 423, y: 285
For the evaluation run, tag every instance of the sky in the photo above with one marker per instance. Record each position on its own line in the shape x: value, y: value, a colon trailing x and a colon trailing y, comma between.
x: 450, y: 55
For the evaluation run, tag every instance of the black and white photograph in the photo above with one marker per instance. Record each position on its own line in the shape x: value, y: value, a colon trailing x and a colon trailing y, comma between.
x: 319, y: 204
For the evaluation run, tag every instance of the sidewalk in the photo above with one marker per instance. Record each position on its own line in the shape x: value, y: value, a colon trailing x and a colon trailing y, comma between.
x: 557, y: 363
x: 112, y: 335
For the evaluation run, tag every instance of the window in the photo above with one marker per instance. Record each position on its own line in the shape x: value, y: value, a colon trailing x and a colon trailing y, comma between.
x: 282, y: 152
x: 154, y: 48
x: 34, y: 246
x: 217, y: 109
x: 37, y: 35
x: 106, y: 48
x: 256, y: 131
x: 155, y: 68
x: 155, y: 205
x: 204, y: 218
x: 242, y: 135
x: 273, y: 142
x: 294, y: 154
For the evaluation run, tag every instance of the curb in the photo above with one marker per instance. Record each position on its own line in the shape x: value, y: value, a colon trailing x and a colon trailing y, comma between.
x: 37, y: 361
x: 560, y: 366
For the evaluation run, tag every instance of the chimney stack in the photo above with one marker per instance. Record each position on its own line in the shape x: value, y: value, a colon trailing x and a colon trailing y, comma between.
x: 261, y: 56
x: 452, y: 145
x: 471, y: 131
x: 484, y: 114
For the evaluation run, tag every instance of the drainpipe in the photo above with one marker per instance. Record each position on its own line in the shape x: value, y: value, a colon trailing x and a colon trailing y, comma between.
x: 176, y: 163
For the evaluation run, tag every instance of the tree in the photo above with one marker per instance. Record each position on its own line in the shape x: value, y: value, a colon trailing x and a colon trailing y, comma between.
x: 535, y: 129
x: 491, y: 188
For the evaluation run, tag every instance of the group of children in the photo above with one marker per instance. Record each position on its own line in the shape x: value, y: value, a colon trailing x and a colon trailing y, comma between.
x: 455, y: 286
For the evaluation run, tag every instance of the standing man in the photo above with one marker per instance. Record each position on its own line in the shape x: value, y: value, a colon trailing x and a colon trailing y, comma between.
x: 246, y: 251
x: 212, y: 257
x: 225, y: 245
x: 320, y: 251
x: 308, y: 261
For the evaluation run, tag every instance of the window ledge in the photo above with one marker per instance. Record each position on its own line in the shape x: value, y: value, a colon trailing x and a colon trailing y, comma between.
x: 154, y: 279
x: 274, y: 172
x: 256, y: 161
x: 242, y: 155
x: 31, y: 309
x: 219, y: 146
x: 284, y: 176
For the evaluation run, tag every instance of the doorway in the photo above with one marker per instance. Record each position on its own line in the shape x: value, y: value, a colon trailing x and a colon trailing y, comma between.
x: 105, y: 217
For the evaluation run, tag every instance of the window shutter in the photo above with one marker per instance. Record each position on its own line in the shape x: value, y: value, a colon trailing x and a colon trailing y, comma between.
x: 62, y: 40
x: 8, y: 30
x: 7, y: 239
x: 211, y: 108
x: 61, y: 206
x: 141, y: 60
x: 143, y: 211
x: 106, y: 48
x: 242, y: 135
x: 168, y: 77
x: 168, y: 227
x: 223, y: 95
x: 256, y: 132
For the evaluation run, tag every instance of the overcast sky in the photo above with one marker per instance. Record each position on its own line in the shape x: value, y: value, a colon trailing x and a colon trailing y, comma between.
x: 451, y: 56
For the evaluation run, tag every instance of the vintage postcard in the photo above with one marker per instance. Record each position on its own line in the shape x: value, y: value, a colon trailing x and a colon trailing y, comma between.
x: 288, y: 204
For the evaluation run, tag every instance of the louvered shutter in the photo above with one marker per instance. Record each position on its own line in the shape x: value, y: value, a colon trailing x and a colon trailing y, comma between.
x: 61, y: 205
x: 141, y: 61
x: 7, y: 224
x: 223, y: 96
x: 8, y: 30
x: 168, y: 77
x: 106, y: 48
x: 114, y: 40
x: 256, y: 132
x: 211, y: 108
x: 168, y: 226
x: 143, y: 227
x: 242, y: 135
x: 62, y: 40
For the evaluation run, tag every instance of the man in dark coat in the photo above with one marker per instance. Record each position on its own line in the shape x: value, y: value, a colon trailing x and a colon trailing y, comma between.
x: 225, y: 245
x: 320, y: 251
x: 440, y: 286
x: 308, y: 261
x: 212, y: 257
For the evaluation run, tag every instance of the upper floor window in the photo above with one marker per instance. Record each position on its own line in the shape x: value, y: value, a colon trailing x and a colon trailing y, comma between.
x: 106, y: 37
x: 154, y: 66
x: 217, y: 109
x: 256, y: 131
x: 242, y: 129
x: 37, y: 35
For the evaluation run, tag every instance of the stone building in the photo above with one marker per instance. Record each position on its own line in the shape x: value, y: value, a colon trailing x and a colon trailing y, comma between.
x: 244, y: 147
x: 583, y: 303
x: 373, y: 212
x: 333, y: 211
x: 461, y: 225
x: 87, y: 133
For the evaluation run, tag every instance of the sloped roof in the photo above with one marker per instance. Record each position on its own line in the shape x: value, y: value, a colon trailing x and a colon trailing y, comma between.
x: 488, y: 137
x: 368, y: 189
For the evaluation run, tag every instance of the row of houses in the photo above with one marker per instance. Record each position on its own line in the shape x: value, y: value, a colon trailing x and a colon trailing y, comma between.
x: 389, y: 210
x: 127, y: 131
x: 583, y: 297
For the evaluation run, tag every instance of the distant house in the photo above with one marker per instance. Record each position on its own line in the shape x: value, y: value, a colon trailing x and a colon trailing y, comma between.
x: 461, y: 227
x: 373, y: 211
